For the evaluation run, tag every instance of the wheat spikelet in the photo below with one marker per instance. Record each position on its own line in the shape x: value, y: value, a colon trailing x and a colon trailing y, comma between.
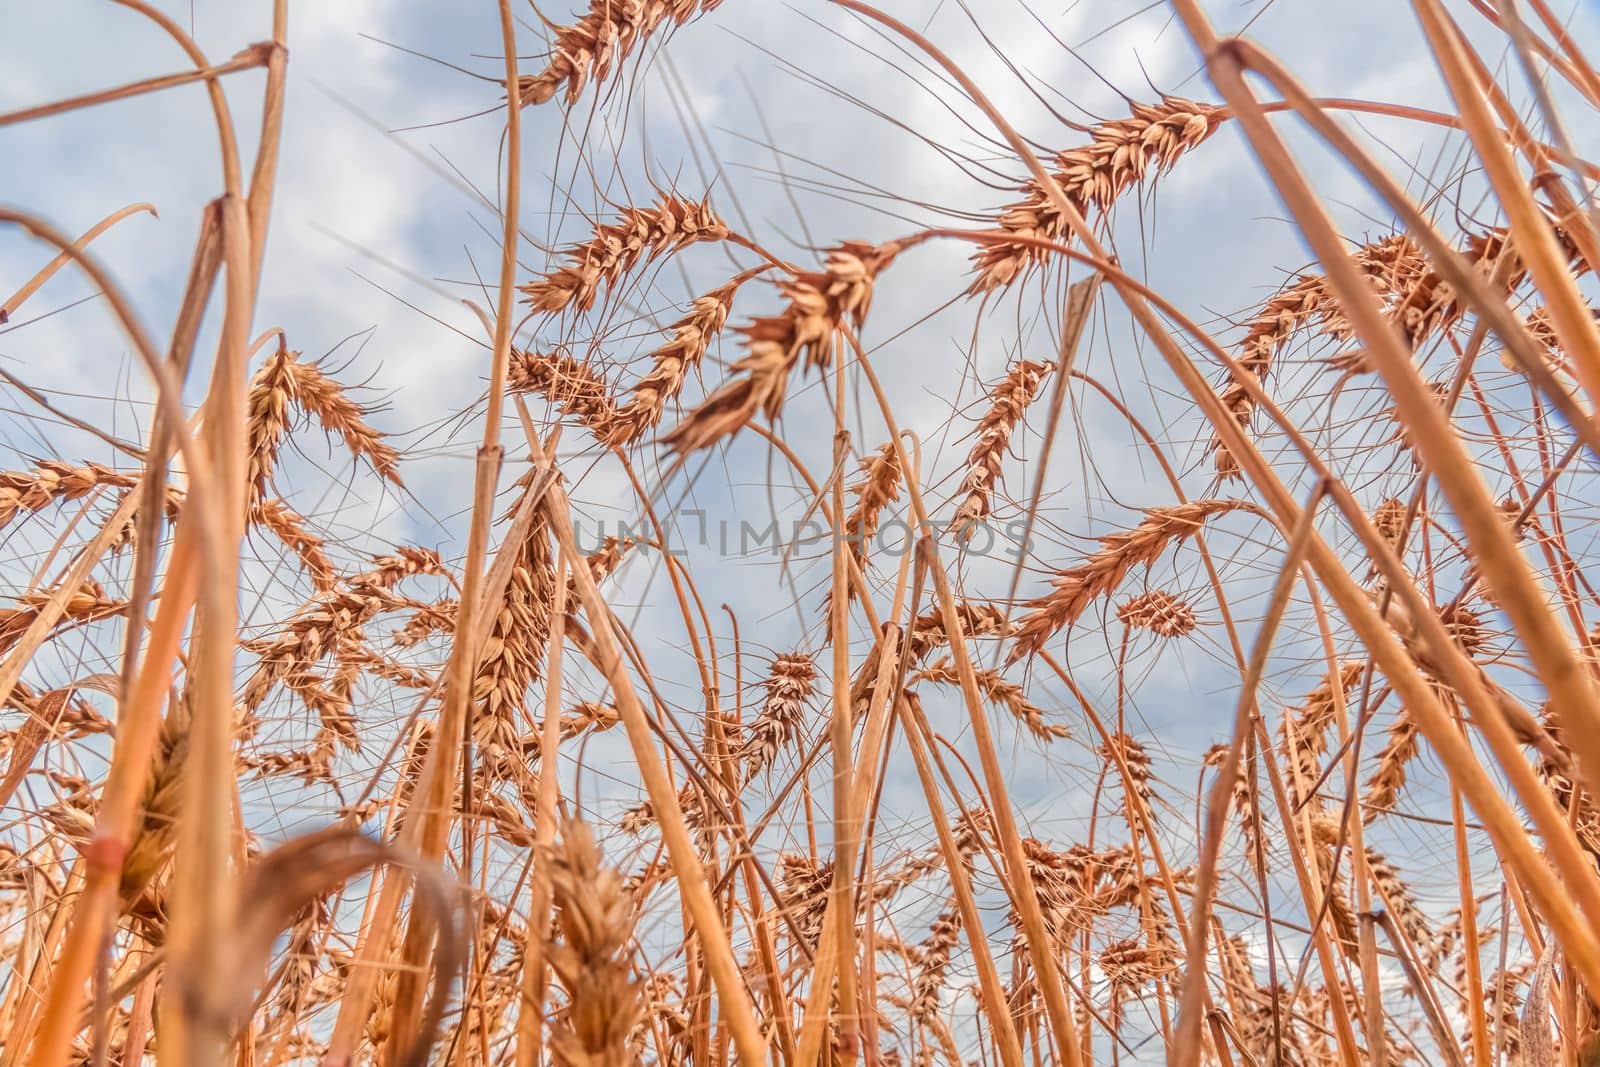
x: 605, y: 36
x: 999, y: 690
x: 1160, y: 612
x: 1465, y: 626
x: 1392, y: 263
x: 309, y: 765
x: 1399, y: 749
x: 1304, y: 731
x: 877, y: 488
x: 932, y: 958
x: 806, y: 882
x: 1244, y: 799
x: 1336, y: 901
x: 789, y: 688
x: 820, y: 302
x: 690, y: 802
x: 288, y: 526
x: 639, y: 234
x: 1131, y: 963
x: 977, y: 618
x: 1077, y: 587
x: 1399, y: 901
x: 284, y: 380
x: 26, y: 492
x: 87, y: 603
x: 77, y: 718
x: 1119, y: 155
x: 1389, y: 519
x: 572, y: 385
x: 512, y: 657
x: 1136, y: 760
x: 1416, y: 298
x: 391, y: 568
x: 592, y: 957
x: 1008, y: 401
x: 584, y: 718
x: 673, y: 361
x: 1502, y: 999
x: 331, y: 626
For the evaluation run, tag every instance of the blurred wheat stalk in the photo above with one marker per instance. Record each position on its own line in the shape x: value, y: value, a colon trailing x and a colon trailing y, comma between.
x: 145, y: 921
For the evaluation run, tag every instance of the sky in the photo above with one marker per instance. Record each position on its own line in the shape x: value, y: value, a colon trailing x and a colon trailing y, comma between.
x: 381, y: 229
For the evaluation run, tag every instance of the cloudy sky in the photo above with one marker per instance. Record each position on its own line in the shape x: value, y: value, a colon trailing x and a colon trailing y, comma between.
x: 805, y: 126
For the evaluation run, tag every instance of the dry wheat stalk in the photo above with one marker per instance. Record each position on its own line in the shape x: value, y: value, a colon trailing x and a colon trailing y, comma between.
x: 1120, y: 154
x: 1075, y: 588
x: 638, y: 235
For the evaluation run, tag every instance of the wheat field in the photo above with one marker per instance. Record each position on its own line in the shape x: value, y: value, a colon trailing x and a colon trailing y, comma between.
x: 868, y: 608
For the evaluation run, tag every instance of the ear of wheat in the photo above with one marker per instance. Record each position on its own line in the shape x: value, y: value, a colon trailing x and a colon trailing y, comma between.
x: 1008, y: 401
x: 1120, y: 154
x: 1077, y: 587
x: 820, y: 302
x: 638, y: 235
x: 590, y: 49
